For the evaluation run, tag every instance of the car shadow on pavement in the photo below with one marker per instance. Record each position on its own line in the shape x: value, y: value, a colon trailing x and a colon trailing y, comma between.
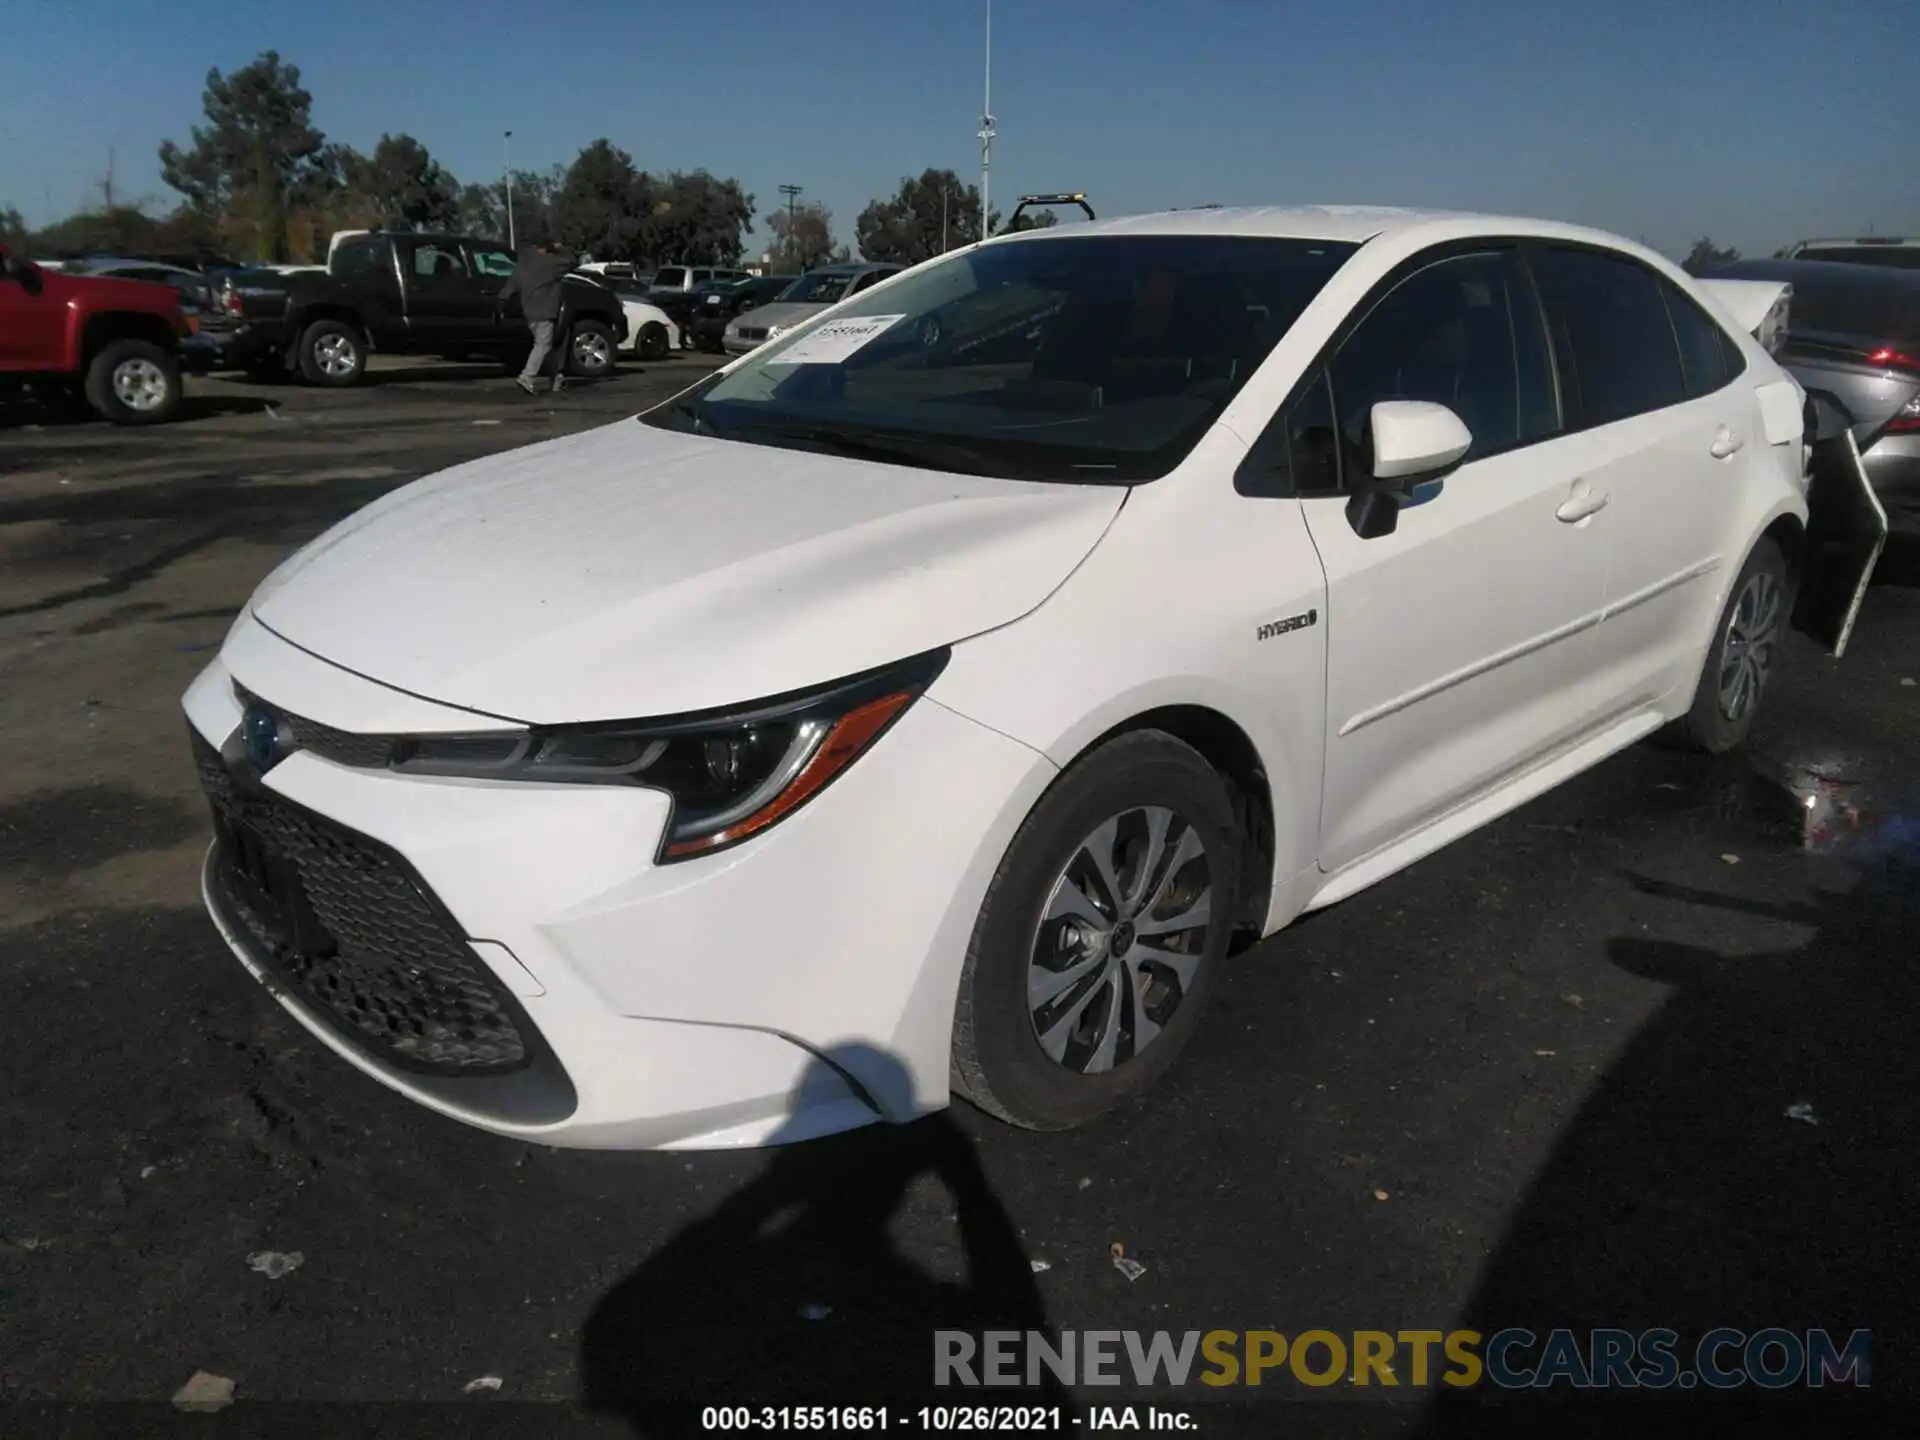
x: 1746, y: 1162
x: 795, y: 1291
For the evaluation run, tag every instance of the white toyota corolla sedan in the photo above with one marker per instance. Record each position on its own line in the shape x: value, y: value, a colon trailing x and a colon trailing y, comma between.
x: 933, y: 701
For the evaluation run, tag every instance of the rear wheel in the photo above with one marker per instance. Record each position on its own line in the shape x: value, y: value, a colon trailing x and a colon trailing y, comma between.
x: 332, y: 353
x: 590, y: 350
x: 134, y: 382
x: 1094, y: 953
x: 652, y: 342
x: 1740, y: 661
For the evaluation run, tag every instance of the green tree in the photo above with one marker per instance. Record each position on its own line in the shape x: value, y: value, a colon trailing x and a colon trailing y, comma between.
x: 404, y: 185
x: 1033, y: 220
x: 255, y: 159
x: 697, y: 218
x: 13, y: 228
x: 803, y: 239
x: 604, y: 206
x: 927, y: 214
x: 1706, y: 255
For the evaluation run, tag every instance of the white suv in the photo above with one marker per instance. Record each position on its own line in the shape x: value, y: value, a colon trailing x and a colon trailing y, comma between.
x: 930, y: 701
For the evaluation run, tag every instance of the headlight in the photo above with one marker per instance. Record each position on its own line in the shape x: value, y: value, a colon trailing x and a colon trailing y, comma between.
x: 730, y: 774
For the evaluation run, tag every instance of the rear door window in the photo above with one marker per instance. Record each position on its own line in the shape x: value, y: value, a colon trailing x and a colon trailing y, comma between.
x: 1619, y: 356
x: 1706, y: 351
x: 671, y: 278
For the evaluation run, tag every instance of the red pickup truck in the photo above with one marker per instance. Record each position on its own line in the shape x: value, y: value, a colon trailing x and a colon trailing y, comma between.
x: 117, y: 342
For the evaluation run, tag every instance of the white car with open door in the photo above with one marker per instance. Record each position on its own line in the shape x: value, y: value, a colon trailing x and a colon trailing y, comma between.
x: 934, y: 699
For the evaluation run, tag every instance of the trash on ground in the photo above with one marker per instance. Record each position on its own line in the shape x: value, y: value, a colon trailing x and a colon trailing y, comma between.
x: 1040, y: 1267
x: 1803, y: 1112
x: 1379, y: 1194
x: 275, y: 1263
x: 481, y: 1382
x: 815, y: 1312
x: 204, y: 1393
x: 486, y: 422
x: 1086, y: 1181
x: 147, y: 1172
x: 1546, y: 1054
x: 1731, y: 859
x: 1576, y: 1001
x: 1907, y: 680
x: 1132, y: 1269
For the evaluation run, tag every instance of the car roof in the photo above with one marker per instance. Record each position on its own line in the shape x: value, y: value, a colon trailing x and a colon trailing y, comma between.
x: 1860, y: 242
x: 1349, y: 224
x: 121, y: 262
x: 1837, y: 274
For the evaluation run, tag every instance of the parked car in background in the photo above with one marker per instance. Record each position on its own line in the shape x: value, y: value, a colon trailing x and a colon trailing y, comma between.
x: 1889, y: 251
x: 953, y: 715
x: 206, y: 348
x: 804, y: 299
x: 115, y: 342
x: 651, y: 331
x: 715, y: 306
x: 1853, y: 342
x: 406, y: 294
x: 669, y: 278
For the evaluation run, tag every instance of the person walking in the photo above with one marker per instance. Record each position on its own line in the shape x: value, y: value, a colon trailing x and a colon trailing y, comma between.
x: 537, y: 278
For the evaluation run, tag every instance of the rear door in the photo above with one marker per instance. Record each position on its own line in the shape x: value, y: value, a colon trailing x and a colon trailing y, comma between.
x: 445, y: 307
x: 1664, y: 436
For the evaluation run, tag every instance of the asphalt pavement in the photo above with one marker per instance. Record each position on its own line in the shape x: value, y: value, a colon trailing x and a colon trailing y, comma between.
x: 1641, y: 1054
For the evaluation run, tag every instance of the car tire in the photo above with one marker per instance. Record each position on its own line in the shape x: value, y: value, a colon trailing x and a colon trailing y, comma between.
x: 651, y: 343
x: 134, y: 382
x: 1107, y: 802
x: 591, y: 351
x: 1746, y: 644
x: 332, y: 353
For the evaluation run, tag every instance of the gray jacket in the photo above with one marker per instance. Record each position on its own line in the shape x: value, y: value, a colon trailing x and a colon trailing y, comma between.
x: 537, y: 279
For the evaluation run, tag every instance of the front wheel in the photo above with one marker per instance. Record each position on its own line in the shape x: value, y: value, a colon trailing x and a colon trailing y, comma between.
x: 332, y: 353
x: 1095, y: 951
x: 134, y: 382
x: 1740, y: 661
x: 591, y: 350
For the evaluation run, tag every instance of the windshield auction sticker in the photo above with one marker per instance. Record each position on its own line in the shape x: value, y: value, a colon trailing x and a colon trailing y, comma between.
x: 835, y: 341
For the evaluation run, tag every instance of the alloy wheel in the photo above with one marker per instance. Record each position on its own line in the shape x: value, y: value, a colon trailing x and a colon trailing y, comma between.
x: 1752, y: 631
x: 1120, y: 939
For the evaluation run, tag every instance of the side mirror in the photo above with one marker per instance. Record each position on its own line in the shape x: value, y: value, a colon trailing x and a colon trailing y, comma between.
x: 1414, y: 442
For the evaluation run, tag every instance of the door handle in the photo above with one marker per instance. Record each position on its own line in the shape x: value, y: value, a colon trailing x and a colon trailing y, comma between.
x: 1725, y: 443
x: 1582, y: 503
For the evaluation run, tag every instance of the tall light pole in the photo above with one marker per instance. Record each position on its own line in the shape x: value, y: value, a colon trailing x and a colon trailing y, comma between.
x: 506, y: 170
x: 792, y: 192
x: 986, y: 134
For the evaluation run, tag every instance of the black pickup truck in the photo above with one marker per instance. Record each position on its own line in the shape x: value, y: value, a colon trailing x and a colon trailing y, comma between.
x: 403, y: 294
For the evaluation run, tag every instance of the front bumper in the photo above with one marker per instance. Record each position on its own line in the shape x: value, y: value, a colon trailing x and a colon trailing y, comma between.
x: 799, y: 984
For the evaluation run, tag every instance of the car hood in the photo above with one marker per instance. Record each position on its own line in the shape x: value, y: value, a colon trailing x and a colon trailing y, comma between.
x: 631, y: 572
x: 778, y: 312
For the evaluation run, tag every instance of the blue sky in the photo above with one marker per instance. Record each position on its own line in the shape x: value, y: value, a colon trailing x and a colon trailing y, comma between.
x: 1755, y: 121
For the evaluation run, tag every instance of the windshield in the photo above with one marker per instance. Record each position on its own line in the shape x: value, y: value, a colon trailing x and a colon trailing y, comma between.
x: 1094, y: 359
x: 823, y: 287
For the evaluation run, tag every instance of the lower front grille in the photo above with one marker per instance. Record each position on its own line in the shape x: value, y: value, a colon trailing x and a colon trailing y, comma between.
x: 346, y: 925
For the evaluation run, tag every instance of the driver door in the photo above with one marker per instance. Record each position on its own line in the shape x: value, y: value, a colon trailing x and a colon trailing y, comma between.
x: 1461, y: 644
x: 30, y: 324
